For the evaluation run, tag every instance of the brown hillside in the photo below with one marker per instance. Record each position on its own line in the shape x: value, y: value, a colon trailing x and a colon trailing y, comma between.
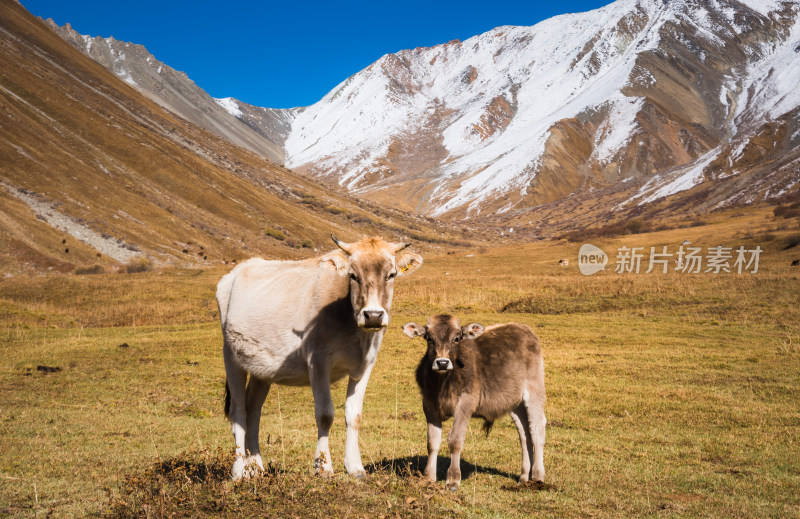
x: 84, y: 156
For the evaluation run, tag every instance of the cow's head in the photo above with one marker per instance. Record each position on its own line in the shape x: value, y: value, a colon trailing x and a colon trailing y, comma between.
x: 444, y: 335
x: 371, y: 266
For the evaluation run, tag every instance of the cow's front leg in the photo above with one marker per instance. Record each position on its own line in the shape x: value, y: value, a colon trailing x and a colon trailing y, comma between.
x: 352, y: 415
x: 455, y: 442
x: 434, y: 441
x: 323, y: 411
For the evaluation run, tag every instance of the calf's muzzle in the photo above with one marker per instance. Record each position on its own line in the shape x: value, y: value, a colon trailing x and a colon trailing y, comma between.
x: 442, y: 365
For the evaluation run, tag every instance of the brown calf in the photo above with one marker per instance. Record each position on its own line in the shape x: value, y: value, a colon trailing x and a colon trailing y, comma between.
x: 483, y: 372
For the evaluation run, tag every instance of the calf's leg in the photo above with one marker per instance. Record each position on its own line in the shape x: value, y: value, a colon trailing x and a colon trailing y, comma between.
x: 434, y: 441
x: 520, y: 417
x: 535, y: 405
x: 455, y: 442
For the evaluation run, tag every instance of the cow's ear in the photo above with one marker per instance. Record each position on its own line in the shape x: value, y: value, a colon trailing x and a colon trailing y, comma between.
x: 336, y: 261
x: 408, y: 262
x: 413, y: 330
x: 472, y: 331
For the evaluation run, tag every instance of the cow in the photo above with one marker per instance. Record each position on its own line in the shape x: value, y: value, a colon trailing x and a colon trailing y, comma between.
x: 563, y: 262
x: 483, y: 372
x: 302, y: 323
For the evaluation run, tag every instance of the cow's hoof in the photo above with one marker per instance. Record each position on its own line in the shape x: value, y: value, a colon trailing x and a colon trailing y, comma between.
x: 523, y: 479
x: 238, y: 470
x: 452, y: 486
x: 252, y: 471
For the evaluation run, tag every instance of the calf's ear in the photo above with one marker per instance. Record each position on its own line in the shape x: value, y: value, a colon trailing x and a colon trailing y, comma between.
x: 408, y: 262
x: 336, y: 261
x: 413, y: 330
x: 472, y: 331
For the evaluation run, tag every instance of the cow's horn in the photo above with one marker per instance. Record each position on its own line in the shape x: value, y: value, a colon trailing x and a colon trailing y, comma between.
x: 400, y: 246
x: 344, y: 246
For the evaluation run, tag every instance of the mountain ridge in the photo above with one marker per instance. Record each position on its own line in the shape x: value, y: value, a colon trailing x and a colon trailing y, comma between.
x: 94, y: 172
x: 645, y: 99
x: 644, y: 91
x: 261, y: 130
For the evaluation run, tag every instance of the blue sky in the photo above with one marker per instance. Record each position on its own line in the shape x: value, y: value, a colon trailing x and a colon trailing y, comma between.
x: 285, y: 54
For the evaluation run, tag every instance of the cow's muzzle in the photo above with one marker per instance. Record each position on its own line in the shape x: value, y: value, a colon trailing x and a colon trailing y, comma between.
x: 373, y: 320
x: 442, y: 365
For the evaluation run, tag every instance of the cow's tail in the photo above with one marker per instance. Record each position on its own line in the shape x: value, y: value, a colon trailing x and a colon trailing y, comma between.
x: 487, y: 426
x: 227, y: 400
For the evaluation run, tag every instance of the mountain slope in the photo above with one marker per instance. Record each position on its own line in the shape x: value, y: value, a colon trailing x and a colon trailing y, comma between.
x: 261, y: 130
x: 90, y: 169
x: 642, y: 97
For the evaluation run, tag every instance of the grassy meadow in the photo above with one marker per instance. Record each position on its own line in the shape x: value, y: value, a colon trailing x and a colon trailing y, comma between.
x: 668, y: 394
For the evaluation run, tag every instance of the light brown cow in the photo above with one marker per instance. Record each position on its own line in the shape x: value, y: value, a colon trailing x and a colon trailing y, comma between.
x: 483, y: 372
x: 303, y: 323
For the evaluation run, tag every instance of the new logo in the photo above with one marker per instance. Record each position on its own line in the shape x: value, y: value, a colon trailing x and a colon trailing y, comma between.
x: 591, y: 259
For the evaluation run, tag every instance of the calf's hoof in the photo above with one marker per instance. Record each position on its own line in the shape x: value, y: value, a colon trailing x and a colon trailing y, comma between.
x: 322, y: 468
x: 356, y: 470
x: 452, y: 486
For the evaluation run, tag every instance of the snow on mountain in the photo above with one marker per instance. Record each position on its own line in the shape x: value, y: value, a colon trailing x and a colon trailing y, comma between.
x: 524, y: 115
x: 230, y: 106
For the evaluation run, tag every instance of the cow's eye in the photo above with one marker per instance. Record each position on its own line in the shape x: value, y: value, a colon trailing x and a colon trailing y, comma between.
x: 455, y: 339
x: 392, y: 275
x: 353, y: 277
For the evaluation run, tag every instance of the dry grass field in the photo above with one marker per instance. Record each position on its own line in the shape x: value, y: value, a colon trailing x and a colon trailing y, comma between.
x: 668, y: 394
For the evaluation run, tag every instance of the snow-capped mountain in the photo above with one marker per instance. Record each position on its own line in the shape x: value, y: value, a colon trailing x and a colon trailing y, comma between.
x: 631, y: 103
x: 653, y: 96
x: 262, y: 130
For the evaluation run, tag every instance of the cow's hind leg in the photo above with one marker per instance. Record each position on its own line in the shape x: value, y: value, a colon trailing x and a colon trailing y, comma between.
x: 236, y: 409
x: 520, y: 417
x: 255, y: 395
x: 323, y: 412
x: 537, y: 421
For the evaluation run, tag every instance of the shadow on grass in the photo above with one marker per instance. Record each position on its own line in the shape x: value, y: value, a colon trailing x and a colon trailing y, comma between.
x: 415, y: 466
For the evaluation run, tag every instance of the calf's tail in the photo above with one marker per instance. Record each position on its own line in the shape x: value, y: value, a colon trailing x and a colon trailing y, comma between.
x: 227, y: 399
x: 487, y: 427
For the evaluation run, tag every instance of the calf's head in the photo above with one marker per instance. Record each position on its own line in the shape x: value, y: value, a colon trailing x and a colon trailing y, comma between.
x: 444, y: 335
x: 371, y: 266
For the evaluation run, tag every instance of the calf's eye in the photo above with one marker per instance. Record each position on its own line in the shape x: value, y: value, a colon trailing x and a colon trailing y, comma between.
x: 353, y: 277
x: 392, y: 275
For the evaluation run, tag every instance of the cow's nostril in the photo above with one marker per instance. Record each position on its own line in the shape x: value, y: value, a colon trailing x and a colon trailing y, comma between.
x: 373, y: 315
x: 442, y: 363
